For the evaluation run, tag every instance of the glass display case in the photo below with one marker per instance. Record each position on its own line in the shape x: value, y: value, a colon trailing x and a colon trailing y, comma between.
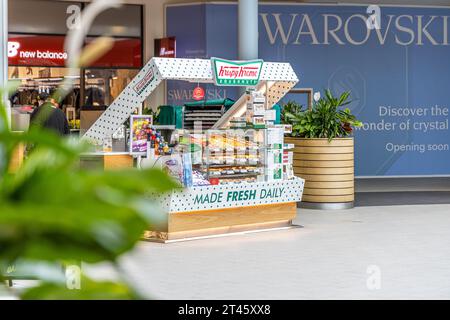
x: 234, y: 156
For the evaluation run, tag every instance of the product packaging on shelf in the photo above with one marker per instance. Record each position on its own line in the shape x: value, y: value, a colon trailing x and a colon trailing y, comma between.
x: 274, y: 157
x: 288, y: 146
x: 238, y: 123
x: 288, y: 157
x: 275, y: 137
x: 270, y: 116
x: 256, y: 109
x: 288, y: 162
x: 173, y: 166
x: 288, y: 172
x: 258, y: 122
x: 187, y: 170
x: 274, y: 163
x: 274, y: 153
x: 256, y: 103
x: 198, y: 180
x: 287, y: 128
x: 275, y: 172
x: 151, y: 149
x: 196, y: 148
x: 107, y: 144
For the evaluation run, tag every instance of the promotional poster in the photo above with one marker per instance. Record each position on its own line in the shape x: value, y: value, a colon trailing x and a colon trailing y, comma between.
x: 138, y: 133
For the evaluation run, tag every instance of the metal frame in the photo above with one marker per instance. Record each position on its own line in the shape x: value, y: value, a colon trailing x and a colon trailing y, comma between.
x: 276, y: 80
x: 307, y: 91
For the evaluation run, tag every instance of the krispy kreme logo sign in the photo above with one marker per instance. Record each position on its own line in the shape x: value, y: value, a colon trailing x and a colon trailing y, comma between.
x: 236, y: 73
x: 143, y: 84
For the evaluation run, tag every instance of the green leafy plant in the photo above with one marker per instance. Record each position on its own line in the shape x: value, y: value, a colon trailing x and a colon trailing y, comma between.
x: 289, y: 110
x: 326, y: 119
x: 54, y: 213
x: 154, y: 114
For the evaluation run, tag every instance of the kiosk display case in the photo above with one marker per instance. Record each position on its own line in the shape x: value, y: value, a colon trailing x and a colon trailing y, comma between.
x: 234, y: 156
x: 246, y: 181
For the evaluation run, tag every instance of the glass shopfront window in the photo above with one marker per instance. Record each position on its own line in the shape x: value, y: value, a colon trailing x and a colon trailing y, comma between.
x: 119, y: 22
x: 103, y: 86
x: 41, y: 16
x: 36, y: 82
x: 125, y: 53
x: 37, y: 57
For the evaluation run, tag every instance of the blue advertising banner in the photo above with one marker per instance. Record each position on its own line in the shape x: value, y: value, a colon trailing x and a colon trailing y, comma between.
x: 398, y: 74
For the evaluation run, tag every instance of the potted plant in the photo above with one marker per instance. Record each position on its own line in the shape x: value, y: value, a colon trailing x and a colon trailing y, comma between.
x: 324, y: 149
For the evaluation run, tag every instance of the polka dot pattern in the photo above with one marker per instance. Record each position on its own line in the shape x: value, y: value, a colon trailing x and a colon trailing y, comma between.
x: 185, y: 201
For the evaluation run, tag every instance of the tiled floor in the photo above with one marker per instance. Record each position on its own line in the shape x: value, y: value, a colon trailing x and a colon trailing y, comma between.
x: 328, y: 259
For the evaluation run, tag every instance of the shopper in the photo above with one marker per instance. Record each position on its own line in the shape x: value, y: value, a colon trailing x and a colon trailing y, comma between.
x: 49, y: 116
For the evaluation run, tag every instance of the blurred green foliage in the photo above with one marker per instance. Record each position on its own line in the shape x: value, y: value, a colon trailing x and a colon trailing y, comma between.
x: 153, y: 113
x: 53, y: 211
x: 91, y: 290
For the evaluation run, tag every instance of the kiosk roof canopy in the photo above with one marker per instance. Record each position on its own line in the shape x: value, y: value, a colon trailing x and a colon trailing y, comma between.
x: 275, y: 80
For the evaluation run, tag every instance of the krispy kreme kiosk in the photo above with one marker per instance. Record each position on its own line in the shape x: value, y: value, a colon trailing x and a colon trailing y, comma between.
x: 237, y: 175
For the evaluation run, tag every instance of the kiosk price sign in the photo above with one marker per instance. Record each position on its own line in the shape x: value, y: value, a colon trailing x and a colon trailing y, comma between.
x: 236, y: 73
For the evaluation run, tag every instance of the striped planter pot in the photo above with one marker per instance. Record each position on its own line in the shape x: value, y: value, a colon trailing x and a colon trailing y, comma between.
x: 327, y: 167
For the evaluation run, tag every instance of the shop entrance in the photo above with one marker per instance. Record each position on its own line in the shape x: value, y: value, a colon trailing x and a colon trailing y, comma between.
x: 37, y: 59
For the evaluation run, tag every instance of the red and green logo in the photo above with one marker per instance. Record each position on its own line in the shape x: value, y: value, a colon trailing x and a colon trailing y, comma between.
x: 143, y: 84
x: 236, y: 73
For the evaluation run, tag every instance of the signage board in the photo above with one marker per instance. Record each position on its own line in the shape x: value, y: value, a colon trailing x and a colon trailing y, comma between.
x: 166, y: 47
x: 144, y: 82
x: 236, y: 73
x: 139, y: 126
x: 48, y: 51
x: 198, y: 94
x: 238, y: 195
x: 42, y: 51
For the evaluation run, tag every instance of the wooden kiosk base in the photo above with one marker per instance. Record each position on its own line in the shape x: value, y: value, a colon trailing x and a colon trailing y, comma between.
x: 199, y: 224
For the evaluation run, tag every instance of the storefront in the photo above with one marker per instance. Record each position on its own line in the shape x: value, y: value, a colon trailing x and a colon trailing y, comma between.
x: 36, y: 57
